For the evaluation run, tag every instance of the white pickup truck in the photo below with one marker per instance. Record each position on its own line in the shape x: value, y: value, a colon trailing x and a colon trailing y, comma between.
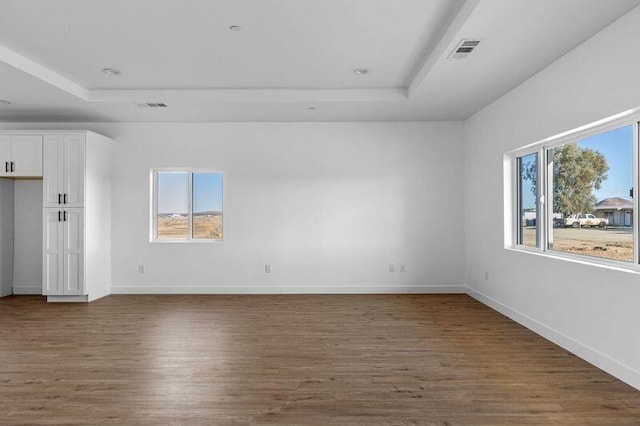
x: 584, y: 219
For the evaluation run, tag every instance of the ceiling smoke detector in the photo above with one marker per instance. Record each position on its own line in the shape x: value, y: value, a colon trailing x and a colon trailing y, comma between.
x: 361, y: 71
x: 235, y: 28
x: 464, y: 48
x: 152, y: 105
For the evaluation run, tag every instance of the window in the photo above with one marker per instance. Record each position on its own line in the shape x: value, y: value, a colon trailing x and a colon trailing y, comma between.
x: 187, y: 205
x: 586, y: 177
x: 574, y: 195
x: 528, y: 200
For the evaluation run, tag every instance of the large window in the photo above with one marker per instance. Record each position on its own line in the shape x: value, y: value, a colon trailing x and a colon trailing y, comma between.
x: 574, y: 195
x: 589, y: 178
x: 187, y: 205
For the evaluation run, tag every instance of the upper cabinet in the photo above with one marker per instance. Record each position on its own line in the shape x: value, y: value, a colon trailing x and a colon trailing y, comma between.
x: 20, y: 156
x: 5, y: 155
x: 64, y: 170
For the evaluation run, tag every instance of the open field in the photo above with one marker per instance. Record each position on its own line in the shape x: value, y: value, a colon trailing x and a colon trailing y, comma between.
x: 609, y: 243
x: 205, y: 226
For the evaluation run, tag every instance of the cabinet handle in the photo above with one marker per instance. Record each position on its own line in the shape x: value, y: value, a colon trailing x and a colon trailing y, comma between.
x: 59, y: 198
x: 64, y: 215
x: 64, y: 197
x: 6, y: 167
x: 13, y: 166
x: 59, y: 216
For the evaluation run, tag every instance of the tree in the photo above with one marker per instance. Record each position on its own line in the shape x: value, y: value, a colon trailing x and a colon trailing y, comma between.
x: 577, y: 171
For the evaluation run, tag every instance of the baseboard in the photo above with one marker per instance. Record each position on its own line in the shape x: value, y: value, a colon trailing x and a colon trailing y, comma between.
x: 32, y: 289
x: 311, y: 289
x: 604, y: 362
x: 68, y: 299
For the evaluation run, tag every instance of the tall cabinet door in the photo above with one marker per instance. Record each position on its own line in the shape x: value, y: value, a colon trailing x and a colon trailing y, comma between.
x: 74, y: 161
x: 5, y: 155
x: 26, y: 153
x: 52, y: 255
x: 73, y: 252
x: 53, y: 170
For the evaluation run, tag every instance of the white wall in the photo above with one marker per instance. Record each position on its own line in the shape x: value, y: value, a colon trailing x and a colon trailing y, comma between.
x: 590, y: 310
x: 27, y: 245
x: 6, y: 236
x: 328, y: 205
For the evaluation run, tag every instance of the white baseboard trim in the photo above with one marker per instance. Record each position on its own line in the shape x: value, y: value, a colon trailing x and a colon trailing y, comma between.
x: 312, y: 289
x: 32, y: 289
x: 604, y: 362
x: 67, y: 299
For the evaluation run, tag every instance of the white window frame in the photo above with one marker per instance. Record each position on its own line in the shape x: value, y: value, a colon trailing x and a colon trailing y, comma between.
x: 153, y: 232
x: 545, y: 190
x: 516, y: 197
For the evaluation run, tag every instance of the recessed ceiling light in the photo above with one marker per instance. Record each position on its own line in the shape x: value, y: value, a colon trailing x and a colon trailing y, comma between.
x: 4, y: 102
x: 360, y: 71
x: 111, y: 71
x: 235, y: 28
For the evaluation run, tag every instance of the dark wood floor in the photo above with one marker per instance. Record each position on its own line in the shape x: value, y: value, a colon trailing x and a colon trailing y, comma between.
x: 291, y: 360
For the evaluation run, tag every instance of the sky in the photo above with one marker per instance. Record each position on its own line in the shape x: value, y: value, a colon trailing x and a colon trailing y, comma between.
x: 173, y: 192
x: 617, y: 147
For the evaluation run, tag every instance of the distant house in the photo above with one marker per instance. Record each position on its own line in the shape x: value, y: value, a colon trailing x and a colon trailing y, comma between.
x: 618, y: 210
x: 529, y: 217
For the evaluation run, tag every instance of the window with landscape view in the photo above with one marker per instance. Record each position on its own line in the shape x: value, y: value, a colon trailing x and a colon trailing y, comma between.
x: 188, y: 205
x: 591, y: 180
x: 586, y: 191
x: 527, y: 200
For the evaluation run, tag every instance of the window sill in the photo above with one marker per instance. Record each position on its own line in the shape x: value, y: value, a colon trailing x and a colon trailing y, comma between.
x: 186, y: 241
x: 599, y: 263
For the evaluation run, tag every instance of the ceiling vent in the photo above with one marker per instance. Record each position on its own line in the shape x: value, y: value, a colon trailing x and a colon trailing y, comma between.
x: 152, y: 105
x: 464, y: 48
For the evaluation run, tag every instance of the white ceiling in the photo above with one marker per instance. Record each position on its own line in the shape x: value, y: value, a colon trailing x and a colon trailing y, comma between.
x: 289, y: 55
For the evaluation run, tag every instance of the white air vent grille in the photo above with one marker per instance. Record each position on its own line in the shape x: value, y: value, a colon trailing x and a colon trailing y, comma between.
x: 152, y: 105
x: 464, y: 48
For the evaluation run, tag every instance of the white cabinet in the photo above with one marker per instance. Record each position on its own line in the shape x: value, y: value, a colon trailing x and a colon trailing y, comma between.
x: 76, y: 216
x: 52, y: 248
x: 5, y: 155
x: 63, y: 252
x: 21, y: 155
x: 75, y: 166
x: 64, y: 171
x: 73, y: 251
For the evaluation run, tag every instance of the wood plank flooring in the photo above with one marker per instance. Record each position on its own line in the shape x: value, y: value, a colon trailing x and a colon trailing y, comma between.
x: 305, y: 360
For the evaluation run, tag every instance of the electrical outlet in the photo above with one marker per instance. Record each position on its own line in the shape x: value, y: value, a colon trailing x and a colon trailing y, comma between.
x: 402, y: 268
x: 392, y: 268
x: 141, y: 269
x: 486, y: 276
x: 267, y: 269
